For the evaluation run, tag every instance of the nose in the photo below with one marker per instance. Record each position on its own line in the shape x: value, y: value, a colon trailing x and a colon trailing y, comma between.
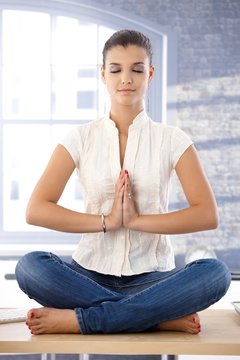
x: 126, y: 78
x: 125, y: 81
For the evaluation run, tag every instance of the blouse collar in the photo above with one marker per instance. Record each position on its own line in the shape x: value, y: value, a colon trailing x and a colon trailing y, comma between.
x: 138, y: 122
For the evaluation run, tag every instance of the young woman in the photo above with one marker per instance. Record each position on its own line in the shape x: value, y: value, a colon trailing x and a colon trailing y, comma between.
x: 122, y: 277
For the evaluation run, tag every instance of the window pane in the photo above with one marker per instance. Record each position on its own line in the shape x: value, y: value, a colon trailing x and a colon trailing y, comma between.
x: 27, y: 149
x: 26, y: 92
x: 26, y: 58
x: 75, y: 93
x: 74, y: 42
x: 26, y: 37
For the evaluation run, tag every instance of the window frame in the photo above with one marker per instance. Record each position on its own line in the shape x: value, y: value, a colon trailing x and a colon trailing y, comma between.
x: 161, y: 94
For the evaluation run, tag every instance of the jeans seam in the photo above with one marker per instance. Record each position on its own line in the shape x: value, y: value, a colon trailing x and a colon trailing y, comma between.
x: 132, y: 297
x: 93, y: 282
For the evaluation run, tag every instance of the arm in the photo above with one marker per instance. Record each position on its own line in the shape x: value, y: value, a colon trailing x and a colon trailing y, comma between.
x: 202, y: 211
x: 43, y: 210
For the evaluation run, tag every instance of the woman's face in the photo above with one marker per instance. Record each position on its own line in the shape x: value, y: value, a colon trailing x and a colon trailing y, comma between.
x: 127, y: 73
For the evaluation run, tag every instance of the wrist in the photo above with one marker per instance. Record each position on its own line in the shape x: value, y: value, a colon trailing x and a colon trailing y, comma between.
x: 133, y: 224
x: 111, y: 224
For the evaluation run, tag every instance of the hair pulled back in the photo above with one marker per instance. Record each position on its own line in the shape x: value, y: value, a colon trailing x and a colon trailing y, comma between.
x: 127, y: 37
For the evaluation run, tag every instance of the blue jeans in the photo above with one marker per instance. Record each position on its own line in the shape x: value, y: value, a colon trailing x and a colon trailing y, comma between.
x: 110, y: 304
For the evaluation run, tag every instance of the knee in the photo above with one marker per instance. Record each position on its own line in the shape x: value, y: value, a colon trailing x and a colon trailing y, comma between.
x: 28, y: 265
x: 224, y: 274
x: 220, y: 275
x: 215, y: 275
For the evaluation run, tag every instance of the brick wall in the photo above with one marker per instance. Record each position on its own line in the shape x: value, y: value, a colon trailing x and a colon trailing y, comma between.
x: 208, y: 93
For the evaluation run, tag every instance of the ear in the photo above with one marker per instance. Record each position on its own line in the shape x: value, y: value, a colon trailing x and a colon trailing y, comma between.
x: 151, y: 72
x: 103, y: 74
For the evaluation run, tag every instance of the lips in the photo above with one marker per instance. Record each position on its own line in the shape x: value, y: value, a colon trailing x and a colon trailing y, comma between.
x: 125, y: 90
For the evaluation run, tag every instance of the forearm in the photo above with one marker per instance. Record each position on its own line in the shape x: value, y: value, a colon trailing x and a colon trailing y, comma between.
x: 56, y: 217
x: 44, y: 212
x: 192, y: 219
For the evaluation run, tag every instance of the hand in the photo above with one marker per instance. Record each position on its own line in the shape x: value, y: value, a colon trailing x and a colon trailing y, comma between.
x: 129, y: 207
x: 115, y: 219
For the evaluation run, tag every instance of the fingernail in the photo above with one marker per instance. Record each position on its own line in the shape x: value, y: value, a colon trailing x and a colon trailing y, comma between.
x: 31, y: 315
x: 126, y: 172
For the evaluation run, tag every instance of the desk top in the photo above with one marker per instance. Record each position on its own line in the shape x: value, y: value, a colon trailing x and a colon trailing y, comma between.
x: 220, y: 335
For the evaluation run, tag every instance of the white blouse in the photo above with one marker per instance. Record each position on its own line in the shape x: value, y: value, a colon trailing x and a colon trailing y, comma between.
x: 152, y: 152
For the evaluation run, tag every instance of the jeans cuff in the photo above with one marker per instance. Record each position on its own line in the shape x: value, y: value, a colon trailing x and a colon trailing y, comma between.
x: 78, y: 312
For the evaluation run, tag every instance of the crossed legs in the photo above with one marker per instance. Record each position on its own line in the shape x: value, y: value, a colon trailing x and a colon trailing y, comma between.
x: 74, y: 302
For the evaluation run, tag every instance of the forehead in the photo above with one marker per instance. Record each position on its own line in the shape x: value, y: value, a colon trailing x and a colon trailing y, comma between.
x: 127, y: 55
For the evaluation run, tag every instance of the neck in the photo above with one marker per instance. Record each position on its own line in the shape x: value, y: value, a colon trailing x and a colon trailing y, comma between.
x: 124, y: 116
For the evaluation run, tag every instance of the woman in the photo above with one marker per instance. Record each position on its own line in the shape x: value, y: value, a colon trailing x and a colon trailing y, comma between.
x: 122, y: 277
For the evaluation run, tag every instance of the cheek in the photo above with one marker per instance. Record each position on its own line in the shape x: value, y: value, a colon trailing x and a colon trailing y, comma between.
x: 144, y: 86
x: 110, y: 84
x: 110, y: 88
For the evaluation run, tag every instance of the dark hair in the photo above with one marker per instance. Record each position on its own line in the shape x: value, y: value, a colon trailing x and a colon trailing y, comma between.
x: 128, y: 37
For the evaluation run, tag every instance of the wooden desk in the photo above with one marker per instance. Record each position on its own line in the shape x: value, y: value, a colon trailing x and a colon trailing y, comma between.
x: 220, y: 336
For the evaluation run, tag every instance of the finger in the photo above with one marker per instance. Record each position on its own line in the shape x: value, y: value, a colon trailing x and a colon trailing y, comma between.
x: 120, y: 183
x: 123, y: 173
x: 119, y: 188
x: 127, y: 192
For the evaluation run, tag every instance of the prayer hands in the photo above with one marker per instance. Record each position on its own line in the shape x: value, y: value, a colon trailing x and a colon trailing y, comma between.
x: 124, y: 209
x: 129, y: 206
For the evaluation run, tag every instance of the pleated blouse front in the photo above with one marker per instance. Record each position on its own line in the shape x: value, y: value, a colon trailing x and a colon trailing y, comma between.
x: 152, y: 152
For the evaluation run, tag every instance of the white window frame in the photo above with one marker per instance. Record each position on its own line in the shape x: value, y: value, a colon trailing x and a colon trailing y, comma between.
x: 161, y: 102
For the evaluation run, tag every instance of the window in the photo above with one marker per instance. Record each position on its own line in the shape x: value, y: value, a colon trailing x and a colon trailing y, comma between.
x: 50, y: 81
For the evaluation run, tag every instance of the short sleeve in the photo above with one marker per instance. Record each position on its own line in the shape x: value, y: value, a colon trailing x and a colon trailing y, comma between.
x: 179, y: 144
x: 73, y: 143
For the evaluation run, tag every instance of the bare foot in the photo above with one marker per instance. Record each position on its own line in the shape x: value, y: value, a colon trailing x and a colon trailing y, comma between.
x: 189, y: 324
x: 52, y: 321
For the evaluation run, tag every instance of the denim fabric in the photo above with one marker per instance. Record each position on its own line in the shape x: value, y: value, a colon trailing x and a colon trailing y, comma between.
x: 110, y: 304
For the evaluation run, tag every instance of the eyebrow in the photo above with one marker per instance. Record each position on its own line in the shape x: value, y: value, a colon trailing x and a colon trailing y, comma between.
x: 136, y: 63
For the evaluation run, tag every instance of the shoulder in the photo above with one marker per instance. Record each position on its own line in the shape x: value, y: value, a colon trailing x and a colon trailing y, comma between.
x: 172, y: 140
x: 81, y: 132
x: 77, y: 138
x: 168, y: 132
